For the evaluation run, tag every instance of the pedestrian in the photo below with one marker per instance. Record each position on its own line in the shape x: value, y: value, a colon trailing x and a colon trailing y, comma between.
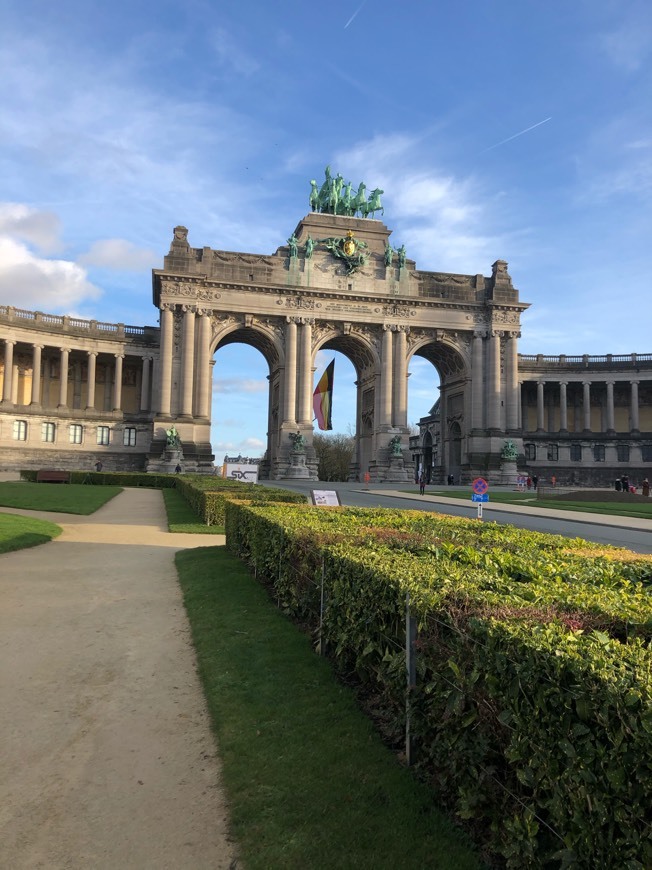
x: 422, y: 482
x: 625, y: 483
x: 98, y: 465
x: 553, y: 480
x: 535, y: 481
x: 178, y: 469
x: 528, y: 482
x: 618, y: 485
x: 645, y: 487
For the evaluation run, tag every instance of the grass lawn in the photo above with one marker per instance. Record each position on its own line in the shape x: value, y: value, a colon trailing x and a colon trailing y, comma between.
x: 308, y: 780
x: 17, y: 533
x: 617, y: 509
x: 182, y: 518
x: 65, y: 498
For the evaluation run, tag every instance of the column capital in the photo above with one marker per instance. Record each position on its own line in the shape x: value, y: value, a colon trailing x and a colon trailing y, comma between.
x: 64, y: 349
x: 189, y: 309
x: 92, y: 353
x: 37, y: 345
x: 496, y: 333
x: 289, y: 318
x: 513, y: 335
x: 479, y: 333
x: 307, y: 321
x: 167, y: 306
x: 119, y: 355
x: 634, y: 382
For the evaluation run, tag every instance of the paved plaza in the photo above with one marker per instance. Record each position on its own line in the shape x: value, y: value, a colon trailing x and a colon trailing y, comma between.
x: 108, y: 758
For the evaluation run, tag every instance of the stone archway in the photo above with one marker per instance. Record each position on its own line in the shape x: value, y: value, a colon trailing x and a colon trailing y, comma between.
x: 338, y: 284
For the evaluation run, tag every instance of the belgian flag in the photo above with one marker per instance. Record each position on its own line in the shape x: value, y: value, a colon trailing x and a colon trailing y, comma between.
x: 322, y: 398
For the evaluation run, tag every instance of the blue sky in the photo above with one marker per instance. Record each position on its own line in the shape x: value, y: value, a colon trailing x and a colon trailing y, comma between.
x: 519, y: 130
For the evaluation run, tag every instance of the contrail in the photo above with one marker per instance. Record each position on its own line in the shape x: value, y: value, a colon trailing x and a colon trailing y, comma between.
x: 509, y: 138
x: 354, y: 14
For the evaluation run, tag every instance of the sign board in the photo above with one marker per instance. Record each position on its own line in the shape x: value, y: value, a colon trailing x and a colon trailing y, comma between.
x: 480, y: 486
x: 325, y: 497
x: 477, y: 497
x: 240, y: 471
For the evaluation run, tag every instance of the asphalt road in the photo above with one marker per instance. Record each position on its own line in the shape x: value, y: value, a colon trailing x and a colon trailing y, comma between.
x: 610, y: 531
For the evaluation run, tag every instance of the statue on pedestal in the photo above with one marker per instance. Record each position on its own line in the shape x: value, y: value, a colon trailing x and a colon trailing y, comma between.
x: 395, y: 446
x: 172, y: 438
x: 298, y: 442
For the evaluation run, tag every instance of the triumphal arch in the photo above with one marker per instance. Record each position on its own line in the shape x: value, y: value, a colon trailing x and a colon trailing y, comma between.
x: 340, y: 284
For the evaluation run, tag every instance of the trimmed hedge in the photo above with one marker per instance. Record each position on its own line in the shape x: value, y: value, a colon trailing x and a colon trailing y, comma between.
x: 114, y: 478
x: 209, y: 501
x: 533, y: 707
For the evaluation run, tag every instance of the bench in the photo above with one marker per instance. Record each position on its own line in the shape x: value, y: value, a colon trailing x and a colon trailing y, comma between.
x: 49, y: 475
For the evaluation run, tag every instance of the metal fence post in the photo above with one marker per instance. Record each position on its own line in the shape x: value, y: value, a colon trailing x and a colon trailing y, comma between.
x: 411, y: 675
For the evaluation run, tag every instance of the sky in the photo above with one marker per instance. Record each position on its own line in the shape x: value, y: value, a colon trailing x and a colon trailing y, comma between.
x: 498, y: 129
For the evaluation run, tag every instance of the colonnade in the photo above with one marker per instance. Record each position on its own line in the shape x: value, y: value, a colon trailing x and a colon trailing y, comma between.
x: 544, y: 392
x: 194, y: 397
x: 41, y: 379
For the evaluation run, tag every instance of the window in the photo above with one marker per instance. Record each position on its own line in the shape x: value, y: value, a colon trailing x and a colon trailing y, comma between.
x: 576, y: 453
x: 598, y: 452
x: 20, y: 430
x: 553, y: 453
x: 646, y: 452
x: 76, y: 432
x: 48, y: 431
x: 530, y: 451
x: 129, y: 436
x: 623, y: 452
x: 103, y: 435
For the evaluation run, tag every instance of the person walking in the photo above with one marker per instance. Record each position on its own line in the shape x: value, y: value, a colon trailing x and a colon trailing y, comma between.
x: 645, y: 487
x: 422, y: 482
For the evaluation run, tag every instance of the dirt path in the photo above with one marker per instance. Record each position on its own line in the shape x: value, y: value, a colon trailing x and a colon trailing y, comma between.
x: 107, y: 756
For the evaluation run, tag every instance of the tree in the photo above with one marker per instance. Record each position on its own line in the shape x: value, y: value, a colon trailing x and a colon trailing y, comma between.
x: 334, y: 454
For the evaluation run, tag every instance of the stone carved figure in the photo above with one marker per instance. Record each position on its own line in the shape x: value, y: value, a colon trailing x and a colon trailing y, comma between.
x: 509, y: 451
x: 389, y: 254
x: 395, y: 448
x: 310, y: 245
x: 172, y: 438
x: 298, y: 442
x: 293, y: 243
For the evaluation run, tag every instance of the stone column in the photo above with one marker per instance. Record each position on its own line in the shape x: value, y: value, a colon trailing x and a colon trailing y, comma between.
x: 540, y: 406
x: 493, y: 382
x: 9, y: 371
x: 305, y: 374
x: 511, y: 381
x: 92, y: 367
x: 586, y: 405
x: 117, y: 383
x: 203, y: 366
x: 187, y: 360
x: 610, y: 409
x: 477, y: 380
x: 144, y: 383
x: 167, y: 336
x: 634, y: 407
x: 400, y: 376
x: 63, y: 377
x: 36, y: 374
x: 386, y: 377
x: 290, y: 375
x: 563, y: 407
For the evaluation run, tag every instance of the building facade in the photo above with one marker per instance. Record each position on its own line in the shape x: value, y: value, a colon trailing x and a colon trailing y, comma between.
x: 74, y: 391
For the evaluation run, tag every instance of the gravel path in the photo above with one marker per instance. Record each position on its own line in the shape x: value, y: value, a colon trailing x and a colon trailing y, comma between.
x: 107, y: 757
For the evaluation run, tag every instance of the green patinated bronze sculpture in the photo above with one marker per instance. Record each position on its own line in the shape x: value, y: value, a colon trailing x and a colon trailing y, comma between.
x: 335, y: 197
x: 348, y: 249
x: 389, y: 254
x: 310, y: 245
x: 509, y: 451
x: 395, y: 446
x: 293, y: 244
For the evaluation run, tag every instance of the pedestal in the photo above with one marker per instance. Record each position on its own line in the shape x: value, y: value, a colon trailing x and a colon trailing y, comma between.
x: 508, y: 472
x: 397, y: 472
x: 297, y: 469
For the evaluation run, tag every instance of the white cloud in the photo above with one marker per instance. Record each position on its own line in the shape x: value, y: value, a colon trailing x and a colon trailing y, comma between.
x: 21, y: 222
x: 33, y: 282
x: 436, y: 215
x: 239, y: 385
x: 628, y: 46
x: 232, y: 55
x: 120, y: 255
